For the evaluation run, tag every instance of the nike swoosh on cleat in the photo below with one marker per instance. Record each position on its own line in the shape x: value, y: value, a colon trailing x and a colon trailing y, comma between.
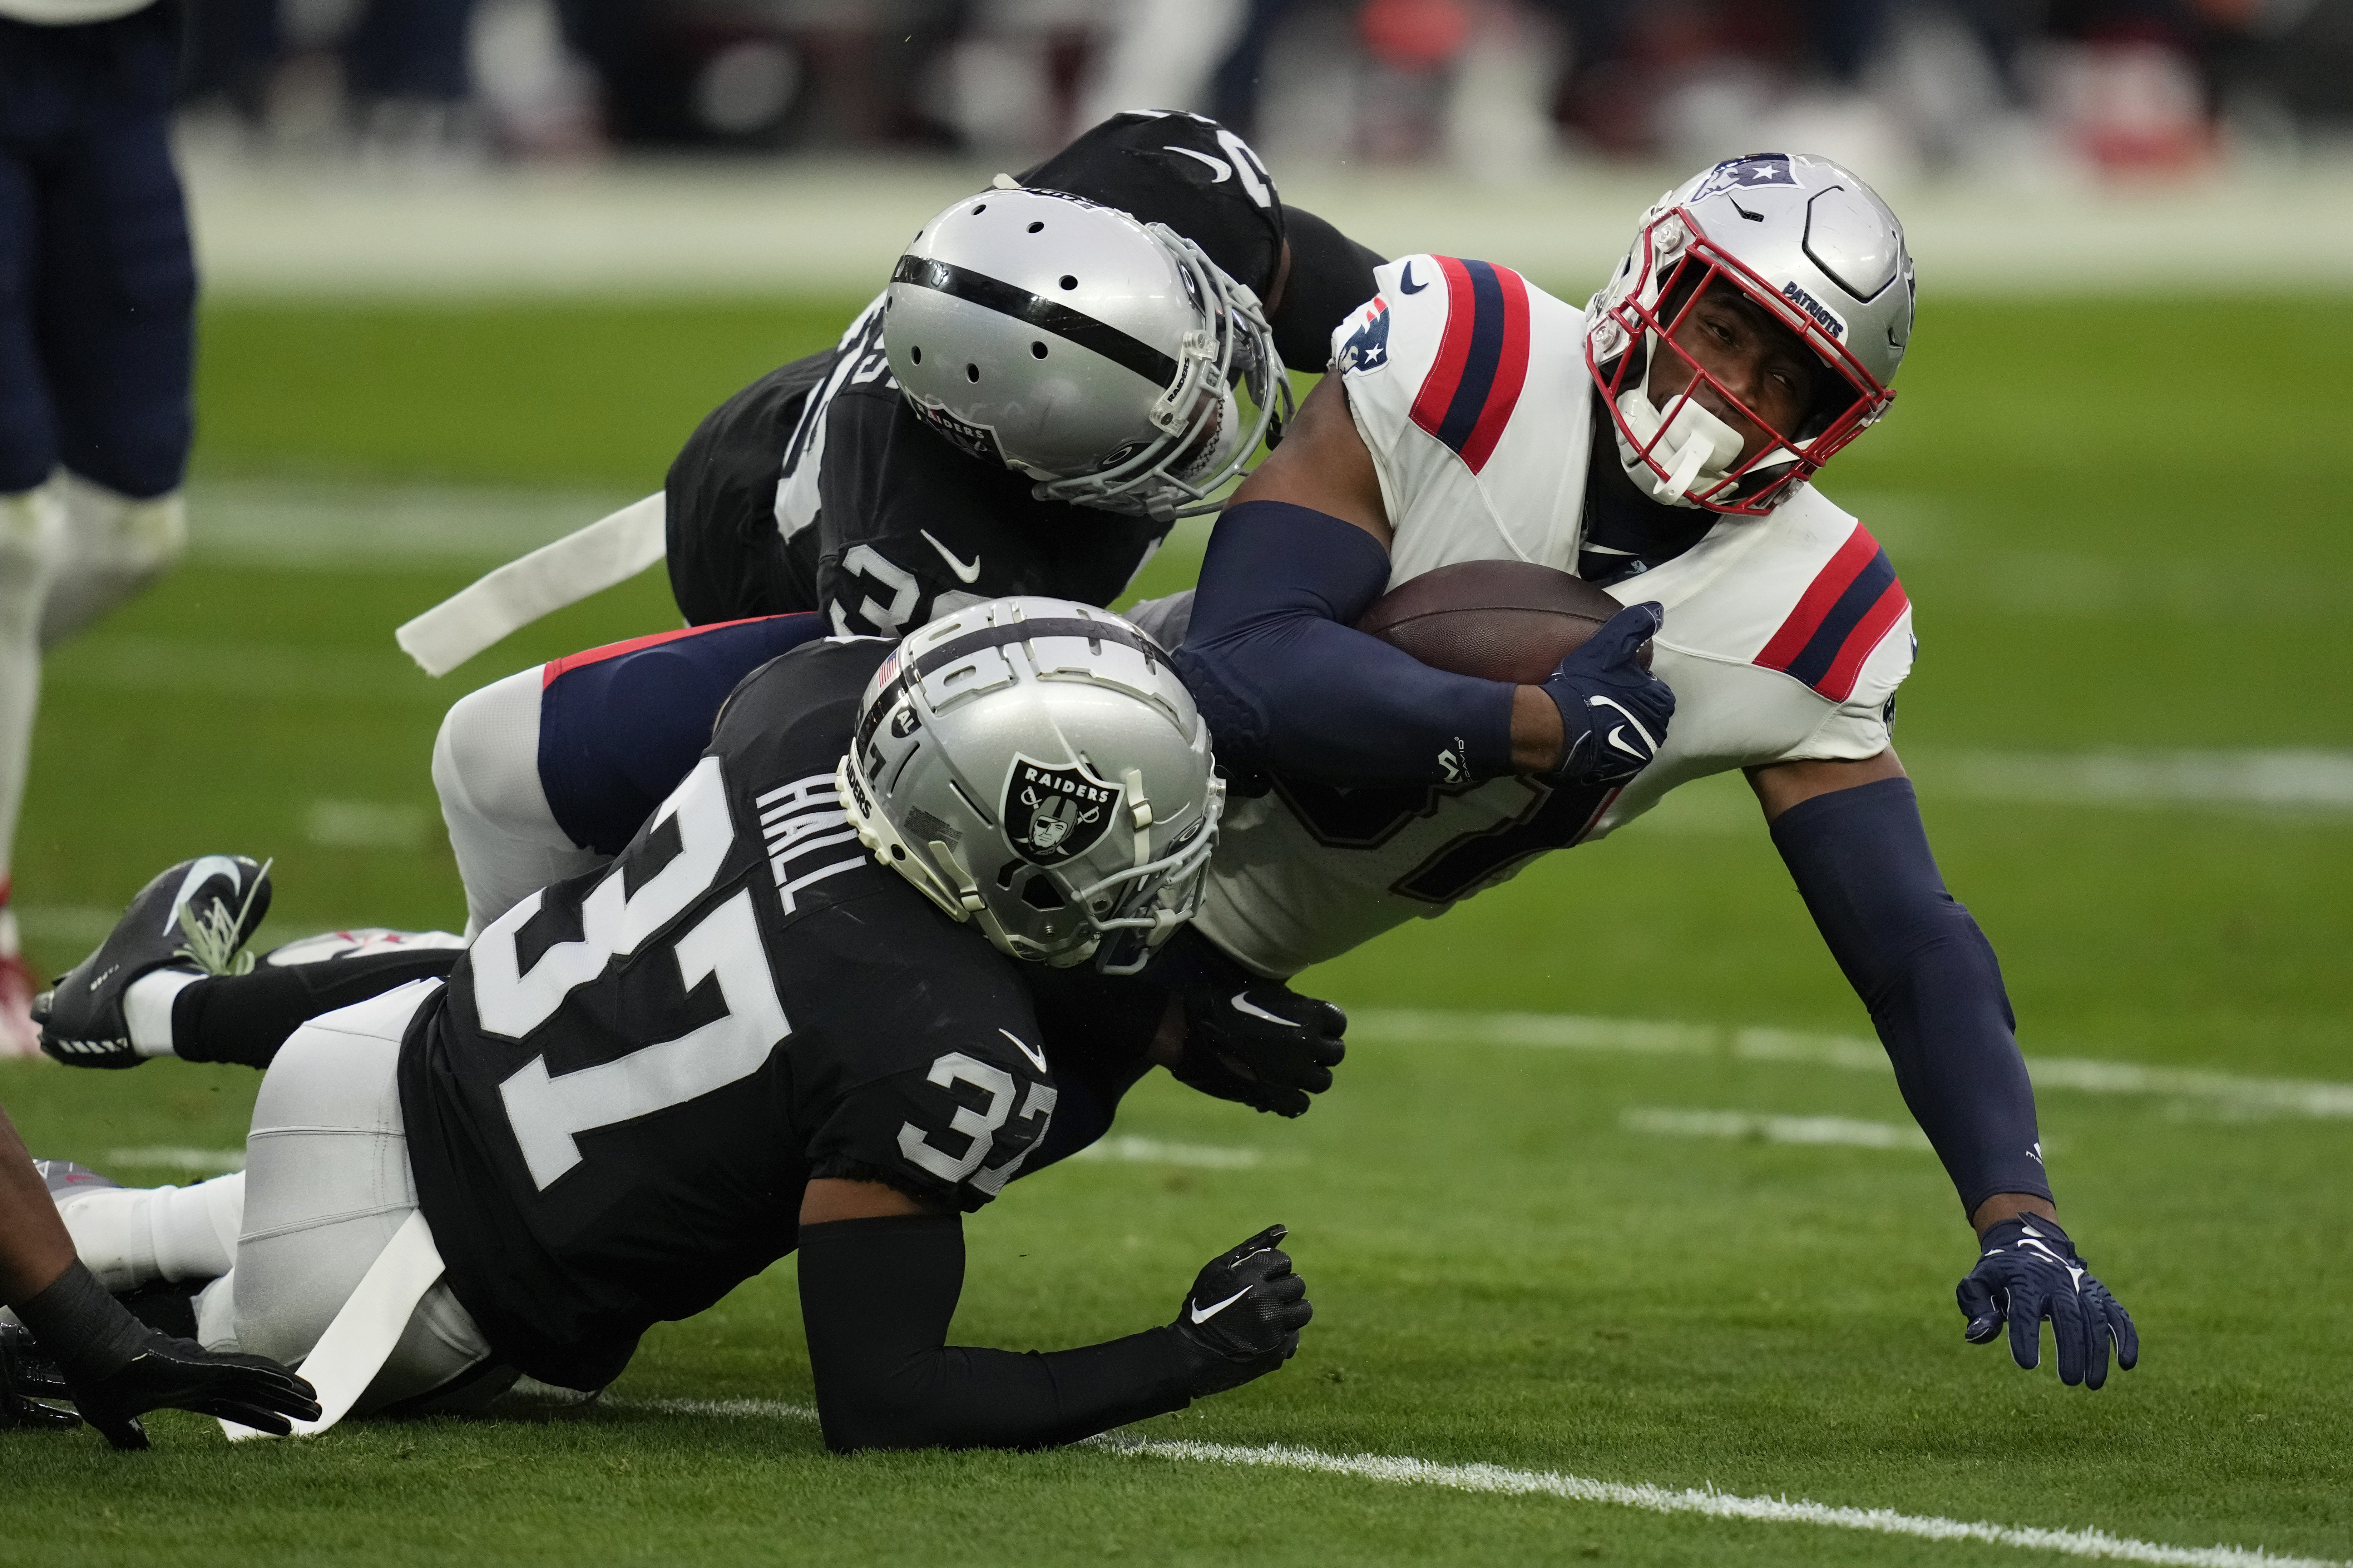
x: 1243, y: 1004
x: 207, y: 866
x: 1406, y: 285
x: 963, y: 573
x: 1201, y: 1315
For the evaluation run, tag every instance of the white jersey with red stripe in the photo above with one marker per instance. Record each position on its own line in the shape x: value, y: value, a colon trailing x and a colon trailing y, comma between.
x: 1786, y: 636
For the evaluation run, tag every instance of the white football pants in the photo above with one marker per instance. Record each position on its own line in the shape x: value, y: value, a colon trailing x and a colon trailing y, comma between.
x: 325, y: 1185
x: 486, y: 767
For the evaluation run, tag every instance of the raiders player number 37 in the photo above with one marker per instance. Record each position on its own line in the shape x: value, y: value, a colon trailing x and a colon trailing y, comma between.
x: 791, y: 1014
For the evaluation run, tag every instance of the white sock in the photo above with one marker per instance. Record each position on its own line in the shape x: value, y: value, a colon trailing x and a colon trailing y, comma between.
x: 131, y: 1236
x: 114, y: 547
x: 32, y: 541
x: 147, y: 1008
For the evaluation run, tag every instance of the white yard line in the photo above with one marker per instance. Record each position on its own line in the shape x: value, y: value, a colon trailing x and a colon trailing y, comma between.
x: 1634, y: 1037
x: 1152, y: 1152
x: 1744, y: 1125
x: 1397, y: 1469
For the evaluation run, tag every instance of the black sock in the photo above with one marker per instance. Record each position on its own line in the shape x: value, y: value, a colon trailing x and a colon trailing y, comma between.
x: 245, y: 1017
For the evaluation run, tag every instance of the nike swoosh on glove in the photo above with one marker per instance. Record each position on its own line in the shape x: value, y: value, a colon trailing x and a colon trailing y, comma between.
x: 2031, y: 1271
x: 1613, y: 712
x: 1243, y: 1318
x: 1263, y: 1045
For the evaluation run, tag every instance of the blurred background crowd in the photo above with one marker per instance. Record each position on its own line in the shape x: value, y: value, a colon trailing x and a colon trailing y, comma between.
x: 1990, y: 88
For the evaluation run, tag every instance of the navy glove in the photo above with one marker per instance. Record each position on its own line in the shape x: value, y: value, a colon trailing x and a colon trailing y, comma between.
x: 1613, y: 712
x: 1263, y: 1045
x: 1243, y: 1318
x: 2031, y: 1271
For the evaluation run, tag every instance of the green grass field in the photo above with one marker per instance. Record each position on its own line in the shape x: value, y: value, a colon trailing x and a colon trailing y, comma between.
x: 2122, y: 528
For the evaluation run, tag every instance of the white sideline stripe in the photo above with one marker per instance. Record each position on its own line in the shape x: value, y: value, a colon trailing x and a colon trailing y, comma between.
x: 1152, y: 1152
x: 209, y: 1162
x: 2090, y: 1075
x: 1496, y: 1480
x: 1742, y: 1124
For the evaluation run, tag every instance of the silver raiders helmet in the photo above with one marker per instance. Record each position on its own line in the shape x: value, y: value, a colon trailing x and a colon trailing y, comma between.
x: 1095, y: 354
x: 1811, y: 245
x: 1034, y: 767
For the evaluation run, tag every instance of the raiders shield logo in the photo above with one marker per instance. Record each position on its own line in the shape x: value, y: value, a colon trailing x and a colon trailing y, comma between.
x: 1053, y: 813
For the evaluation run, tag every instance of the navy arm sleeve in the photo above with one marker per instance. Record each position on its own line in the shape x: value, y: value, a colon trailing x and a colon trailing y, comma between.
x: 876, y: 1298
x: 620, y: 727
x: 1927, y: 974
x: 1287, y: 682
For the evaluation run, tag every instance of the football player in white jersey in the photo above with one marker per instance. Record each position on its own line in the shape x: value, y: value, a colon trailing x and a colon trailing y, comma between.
x: 1660, y: 443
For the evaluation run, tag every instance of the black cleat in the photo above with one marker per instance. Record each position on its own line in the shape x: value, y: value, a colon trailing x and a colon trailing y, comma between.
x: 200, y: 913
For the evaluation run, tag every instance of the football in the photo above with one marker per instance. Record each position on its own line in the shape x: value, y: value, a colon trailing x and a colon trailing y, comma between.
x: 1498, y: 620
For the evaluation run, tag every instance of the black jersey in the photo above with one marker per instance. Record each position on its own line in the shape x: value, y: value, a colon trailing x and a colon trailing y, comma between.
x: 816, y: 487
x: 614, y: 1107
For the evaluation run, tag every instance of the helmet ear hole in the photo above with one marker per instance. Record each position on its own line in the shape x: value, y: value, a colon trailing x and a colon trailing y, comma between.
x: 1041, y: 894
x: 972, y: 372
x: 916, y: 353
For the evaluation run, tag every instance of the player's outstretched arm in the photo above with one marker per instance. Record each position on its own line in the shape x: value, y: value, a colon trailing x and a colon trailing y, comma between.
x: 78, y: 1345
x: 1287, y: 682
x: 1852, y: 836
x: 880, y: 1276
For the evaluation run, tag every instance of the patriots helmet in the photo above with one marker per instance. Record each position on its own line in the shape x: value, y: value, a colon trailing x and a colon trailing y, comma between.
x: 1095, y: 354
x: 1034, y: 766
x: 1813, y: 247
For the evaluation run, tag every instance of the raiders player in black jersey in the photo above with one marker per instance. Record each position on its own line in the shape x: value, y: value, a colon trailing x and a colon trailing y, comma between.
x: 819, y: 487
x: 745, y: 1037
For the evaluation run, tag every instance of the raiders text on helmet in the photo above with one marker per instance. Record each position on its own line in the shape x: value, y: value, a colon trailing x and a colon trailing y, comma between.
x: 1094, y: 352
x: 1813, y: 246
x: 1035, y: 765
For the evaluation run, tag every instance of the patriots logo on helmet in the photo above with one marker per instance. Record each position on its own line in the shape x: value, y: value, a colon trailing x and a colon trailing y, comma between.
x: 1368, y: 347
x: 1054, y: 814
x: 1756, y: 169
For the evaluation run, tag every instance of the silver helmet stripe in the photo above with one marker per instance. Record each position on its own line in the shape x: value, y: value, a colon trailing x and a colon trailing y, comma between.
x: 990, y: 293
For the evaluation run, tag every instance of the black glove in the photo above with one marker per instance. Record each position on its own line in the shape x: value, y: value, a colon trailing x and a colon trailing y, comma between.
x: 27, y: 1377
x: 1262, y: 1043
x: 2031, y: 1271
x: 115, y: 1368
x: 1243, y: 1318
x: 1613, y: 712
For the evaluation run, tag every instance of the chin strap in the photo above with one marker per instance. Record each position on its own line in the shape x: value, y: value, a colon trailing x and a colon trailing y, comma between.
x: 1694, y: 445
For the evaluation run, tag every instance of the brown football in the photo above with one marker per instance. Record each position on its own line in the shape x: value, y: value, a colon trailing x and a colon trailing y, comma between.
x: 1498, y: 620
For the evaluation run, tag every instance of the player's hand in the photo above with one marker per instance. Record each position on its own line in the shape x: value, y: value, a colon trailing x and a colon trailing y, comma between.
x: 1243, y: 1318
x: 249, y: 1390
x: 2031, y: 1271
x: 1262, y: 1043
x: 1613, y: 712
x: 27, y: 1377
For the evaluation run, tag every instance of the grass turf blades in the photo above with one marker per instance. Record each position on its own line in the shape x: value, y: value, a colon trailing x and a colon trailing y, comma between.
x: 1506, y: 1272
